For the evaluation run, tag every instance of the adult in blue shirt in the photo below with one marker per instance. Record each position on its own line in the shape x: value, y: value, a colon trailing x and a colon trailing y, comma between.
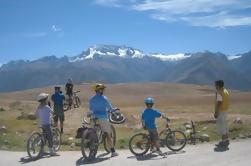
x: 99, y: 106
x: 58, y: 100
x: 148, y: 122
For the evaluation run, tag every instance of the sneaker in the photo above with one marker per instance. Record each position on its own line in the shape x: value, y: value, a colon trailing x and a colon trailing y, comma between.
x: 222, y: 143
x: 153, y: 150
x: 159, y: 152
x: 52, y: 152
x: 114, y: 154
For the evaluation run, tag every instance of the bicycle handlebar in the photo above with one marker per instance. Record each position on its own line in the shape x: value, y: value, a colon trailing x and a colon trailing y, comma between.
x: 167, y: 119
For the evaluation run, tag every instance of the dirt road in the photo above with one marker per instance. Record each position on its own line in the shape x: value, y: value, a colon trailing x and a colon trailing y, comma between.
x: 239, y: 153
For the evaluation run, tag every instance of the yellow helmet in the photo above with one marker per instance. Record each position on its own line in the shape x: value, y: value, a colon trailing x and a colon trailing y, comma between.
x: 96, y: 87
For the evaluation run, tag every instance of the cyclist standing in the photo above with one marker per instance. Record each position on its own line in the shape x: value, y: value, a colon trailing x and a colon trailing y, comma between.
x: 99, y: 106
x: 58, y: 100
x: 44, y: 113
x: 69, y: 90
x: 148, y: 122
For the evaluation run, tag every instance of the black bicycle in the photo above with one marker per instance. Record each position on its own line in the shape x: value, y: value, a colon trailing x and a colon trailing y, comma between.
x: 92, y: 136
x: 37, y: 141
x: 175, y: 140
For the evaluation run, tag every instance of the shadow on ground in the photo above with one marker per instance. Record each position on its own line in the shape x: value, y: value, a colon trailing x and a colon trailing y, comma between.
x: 221, y: 149
x: 98, y: 159
x: 27, y: 159
x: 153, y: 156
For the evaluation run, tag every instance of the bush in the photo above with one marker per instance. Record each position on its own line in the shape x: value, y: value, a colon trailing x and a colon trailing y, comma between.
x: 2, y: 109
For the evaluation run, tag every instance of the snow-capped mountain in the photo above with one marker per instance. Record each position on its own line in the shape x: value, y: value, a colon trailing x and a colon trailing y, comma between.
x: 120, y: 64
x: 108, y: 51
x: 125, y: 52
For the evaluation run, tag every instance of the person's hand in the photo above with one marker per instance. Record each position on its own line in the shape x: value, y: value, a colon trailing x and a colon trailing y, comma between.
x: 89, y: 114
x: 215, y: 115
x: 116, y: 109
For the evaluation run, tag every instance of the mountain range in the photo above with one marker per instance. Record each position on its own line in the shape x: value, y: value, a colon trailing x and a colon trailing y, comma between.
x: 122, y: 64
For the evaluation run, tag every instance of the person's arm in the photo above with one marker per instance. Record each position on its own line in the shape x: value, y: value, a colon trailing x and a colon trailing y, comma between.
x: 36, y: 114
x: 90, y: 112
x: 52, y: 97
x: 217, y: 104
x: 143, y: 122
x: 109, y: 106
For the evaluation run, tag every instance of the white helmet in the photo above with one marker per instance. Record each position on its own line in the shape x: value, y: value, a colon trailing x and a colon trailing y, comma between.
x: 42, y: 96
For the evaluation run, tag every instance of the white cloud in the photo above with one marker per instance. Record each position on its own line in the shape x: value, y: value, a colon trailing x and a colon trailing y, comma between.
x: 209, y: 13
x: 56, y: 29
x: 218, y: 20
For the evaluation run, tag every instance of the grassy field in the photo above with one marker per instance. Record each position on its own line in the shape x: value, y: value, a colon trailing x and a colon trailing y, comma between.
x: 182, y: 103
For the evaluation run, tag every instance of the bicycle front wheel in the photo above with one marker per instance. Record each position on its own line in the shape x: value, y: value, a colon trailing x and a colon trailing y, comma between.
x: 139, y: 144
x: 56, y: 138
x: 35, y: 145
x: 176, y: 140
x: 105, y: 140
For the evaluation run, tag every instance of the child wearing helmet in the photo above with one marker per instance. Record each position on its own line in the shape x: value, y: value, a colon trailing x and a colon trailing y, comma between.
x: 44, y: 113
x: 148, y: 122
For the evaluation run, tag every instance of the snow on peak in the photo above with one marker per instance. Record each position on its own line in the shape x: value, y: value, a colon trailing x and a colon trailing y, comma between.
x: 172, y: 57
x: 138, y: 54
x: 233, y: 57
x: 76, y: 59
x: 122, y: 52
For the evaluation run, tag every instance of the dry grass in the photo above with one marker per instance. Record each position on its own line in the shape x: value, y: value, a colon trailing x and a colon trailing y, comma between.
x: 180, y: 102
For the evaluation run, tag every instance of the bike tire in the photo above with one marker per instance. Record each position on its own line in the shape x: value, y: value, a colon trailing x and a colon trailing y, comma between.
x: 172, y: 140
x: 89, y: 145
x: 78, y: 102
x: 113, y: 137
x: 56, y: 137
x: 35, y: 138
x: 143, y: 143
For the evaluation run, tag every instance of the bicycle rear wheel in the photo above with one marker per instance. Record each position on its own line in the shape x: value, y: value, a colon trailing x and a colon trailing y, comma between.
x: 105, y: 140
x: 176, y: 140
x: 35, y: 145
x: 77, y: 102
x: 56, y: 138
x: 89, y: 145
x: 139, y: 144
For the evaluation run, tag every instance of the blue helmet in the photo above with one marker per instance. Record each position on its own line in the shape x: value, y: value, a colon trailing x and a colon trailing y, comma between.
x: 149, y: 100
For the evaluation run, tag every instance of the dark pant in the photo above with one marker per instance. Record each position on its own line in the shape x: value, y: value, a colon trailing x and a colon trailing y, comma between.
x: 48, y: 134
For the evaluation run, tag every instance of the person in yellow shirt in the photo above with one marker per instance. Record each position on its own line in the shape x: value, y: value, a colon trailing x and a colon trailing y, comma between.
x: 221, y: 107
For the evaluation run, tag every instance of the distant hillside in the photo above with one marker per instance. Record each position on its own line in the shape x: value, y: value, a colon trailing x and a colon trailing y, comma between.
x: 117, y: 64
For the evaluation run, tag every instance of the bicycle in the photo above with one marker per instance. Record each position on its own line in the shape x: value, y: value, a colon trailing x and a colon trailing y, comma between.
x: 92, y: 137
x: 73, y: 100
x: 175, y: 140
x: 37, y: 141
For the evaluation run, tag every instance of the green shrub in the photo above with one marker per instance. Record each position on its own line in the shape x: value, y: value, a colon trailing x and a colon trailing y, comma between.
x: 2, y: 109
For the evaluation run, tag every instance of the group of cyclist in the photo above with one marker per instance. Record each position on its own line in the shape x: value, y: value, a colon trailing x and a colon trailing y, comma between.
x: 99, y: 105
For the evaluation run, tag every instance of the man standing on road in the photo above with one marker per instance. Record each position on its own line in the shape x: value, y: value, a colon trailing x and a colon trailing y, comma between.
x: 58, y: 100
x: 221, y: 107
x: 99, y: 106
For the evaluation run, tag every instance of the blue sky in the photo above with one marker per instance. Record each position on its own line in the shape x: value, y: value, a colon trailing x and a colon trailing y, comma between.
x: 35, y: 28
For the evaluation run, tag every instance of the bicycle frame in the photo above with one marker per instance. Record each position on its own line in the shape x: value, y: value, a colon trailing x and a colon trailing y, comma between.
x: 97, y: 129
